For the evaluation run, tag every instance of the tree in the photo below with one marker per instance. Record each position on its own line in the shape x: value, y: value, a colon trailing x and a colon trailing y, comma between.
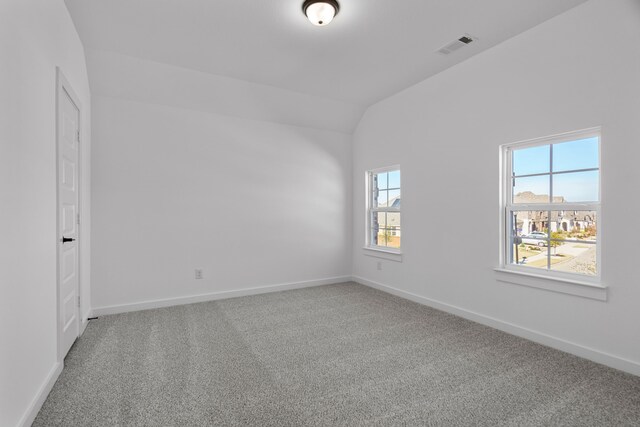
x: 387, y: 235
x: 559, y: 235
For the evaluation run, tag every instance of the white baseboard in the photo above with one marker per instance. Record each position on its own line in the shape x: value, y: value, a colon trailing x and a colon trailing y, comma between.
x: 538, y: 337
x: 33, y: 409
x: 168, y: 302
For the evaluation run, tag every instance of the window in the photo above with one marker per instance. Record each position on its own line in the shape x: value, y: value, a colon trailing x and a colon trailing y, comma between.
x: 384, y: 203
x: 552, y: 205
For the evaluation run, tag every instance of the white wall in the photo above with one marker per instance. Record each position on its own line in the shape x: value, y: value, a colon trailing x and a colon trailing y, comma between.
x: 251, y: 203
x: 578, y: 70
x: 121, y: 76
x: 35, y: 37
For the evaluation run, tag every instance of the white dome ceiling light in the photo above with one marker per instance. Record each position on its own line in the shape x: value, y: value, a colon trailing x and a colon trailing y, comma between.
x: 320, y: 12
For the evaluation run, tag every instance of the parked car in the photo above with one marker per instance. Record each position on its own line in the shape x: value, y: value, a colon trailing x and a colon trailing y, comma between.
x: 536, y: 238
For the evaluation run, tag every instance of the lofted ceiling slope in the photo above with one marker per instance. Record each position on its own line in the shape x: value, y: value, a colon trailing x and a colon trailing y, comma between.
x: 373, y: 48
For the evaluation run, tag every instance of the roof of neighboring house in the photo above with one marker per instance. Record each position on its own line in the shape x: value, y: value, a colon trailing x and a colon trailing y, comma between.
x: 393, y: 203
x: 393, y: 218
x: 530, y: 197
x: 535, y: 215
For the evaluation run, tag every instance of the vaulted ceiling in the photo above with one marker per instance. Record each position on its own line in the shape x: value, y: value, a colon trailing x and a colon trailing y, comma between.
x: 373, y: 48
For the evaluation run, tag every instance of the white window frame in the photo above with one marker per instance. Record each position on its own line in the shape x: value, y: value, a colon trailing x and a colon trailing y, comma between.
x: 507, y: 206
x: 394, y: 253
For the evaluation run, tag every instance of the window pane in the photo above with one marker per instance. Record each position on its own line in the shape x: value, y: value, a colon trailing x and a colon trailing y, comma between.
x: 382, y: 181
x: 576, y: 187
x: 580, y: 154
x: 574, y: 257
x: 530, y: 245
x: 574, y: 225
x: 531, y: 256
x: 386, y: 231
x: 533, y: 189
x: 394, y: 179
x: 531, y: 160
x: 382, y: 237
x: 394, y: 198
x: 531, y: 227
x: 393, y: 219
x: 381, y: 200
x: 393, y: 237
x: 571, y: 256
x: 389, y: 237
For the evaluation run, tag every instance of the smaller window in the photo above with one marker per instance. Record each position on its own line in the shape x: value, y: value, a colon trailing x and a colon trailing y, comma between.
x: 383, y: 210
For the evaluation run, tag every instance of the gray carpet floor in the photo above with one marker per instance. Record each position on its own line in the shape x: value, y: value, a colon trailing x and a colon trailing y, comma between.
x: 330, y: 355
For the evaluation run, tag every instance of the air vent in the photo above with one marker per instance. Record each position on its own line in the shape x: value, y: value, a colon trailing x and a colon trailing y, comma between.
x: 456, y: 44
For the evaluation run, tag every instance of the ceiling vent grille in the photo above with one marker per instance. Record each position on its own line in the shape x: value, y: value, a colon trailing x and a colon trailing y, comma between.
x: 456, y: 44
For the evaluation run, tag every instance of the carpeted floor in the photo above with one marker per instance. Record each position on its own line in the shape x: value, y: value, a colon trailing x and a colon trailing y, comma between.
x: 330, y: 355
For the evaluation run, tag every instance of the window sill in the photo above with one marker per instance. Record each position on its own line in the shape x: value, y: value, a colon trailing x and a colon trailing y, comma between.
x: 387, y: 254
x: 565, y: 286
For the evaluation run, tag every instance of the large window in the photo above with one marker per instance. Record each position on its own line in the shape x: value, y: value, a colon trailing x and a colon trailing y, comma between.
x: 552, y: 205
x: 384, y: 200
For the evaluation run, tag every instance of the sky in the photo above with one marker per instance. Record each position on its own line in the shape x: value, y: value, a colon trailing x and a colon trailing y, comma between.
x: 388, y: 180
x: 572, y: 155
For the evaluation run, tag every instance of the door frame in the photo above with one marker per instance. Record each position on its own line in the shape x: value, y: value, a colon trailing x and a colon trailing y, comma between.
x: 63, y: 88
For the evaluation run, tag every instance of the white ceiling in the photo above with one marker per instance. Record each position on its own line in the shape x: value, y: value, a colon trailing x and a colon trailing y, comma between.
x: 373, y: 48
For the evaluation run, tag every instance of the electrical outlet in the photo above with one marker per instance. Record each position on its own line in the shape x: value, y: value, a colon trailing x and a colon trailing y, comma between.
x: 198, y: 274
x: 379, y: 265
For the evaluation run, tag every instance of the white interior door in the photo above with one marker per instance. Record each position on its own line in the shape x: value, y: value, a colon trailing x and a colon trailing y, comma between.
x: 68, y: 269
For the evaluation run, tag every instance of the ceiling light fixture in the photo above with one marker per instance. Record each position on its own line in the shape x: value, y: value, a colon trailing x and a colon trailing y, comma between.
x: 320, y: 12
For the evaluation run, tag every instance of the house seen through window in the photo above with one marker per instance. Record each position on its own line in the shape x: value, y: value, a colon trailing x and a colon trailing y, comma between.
x: 384, y: 202
x: 552, y: 205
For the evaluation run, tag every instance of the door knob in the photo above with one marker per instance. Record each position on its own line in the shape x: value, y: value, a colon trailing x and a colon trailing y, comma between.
x: 67, y: 239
